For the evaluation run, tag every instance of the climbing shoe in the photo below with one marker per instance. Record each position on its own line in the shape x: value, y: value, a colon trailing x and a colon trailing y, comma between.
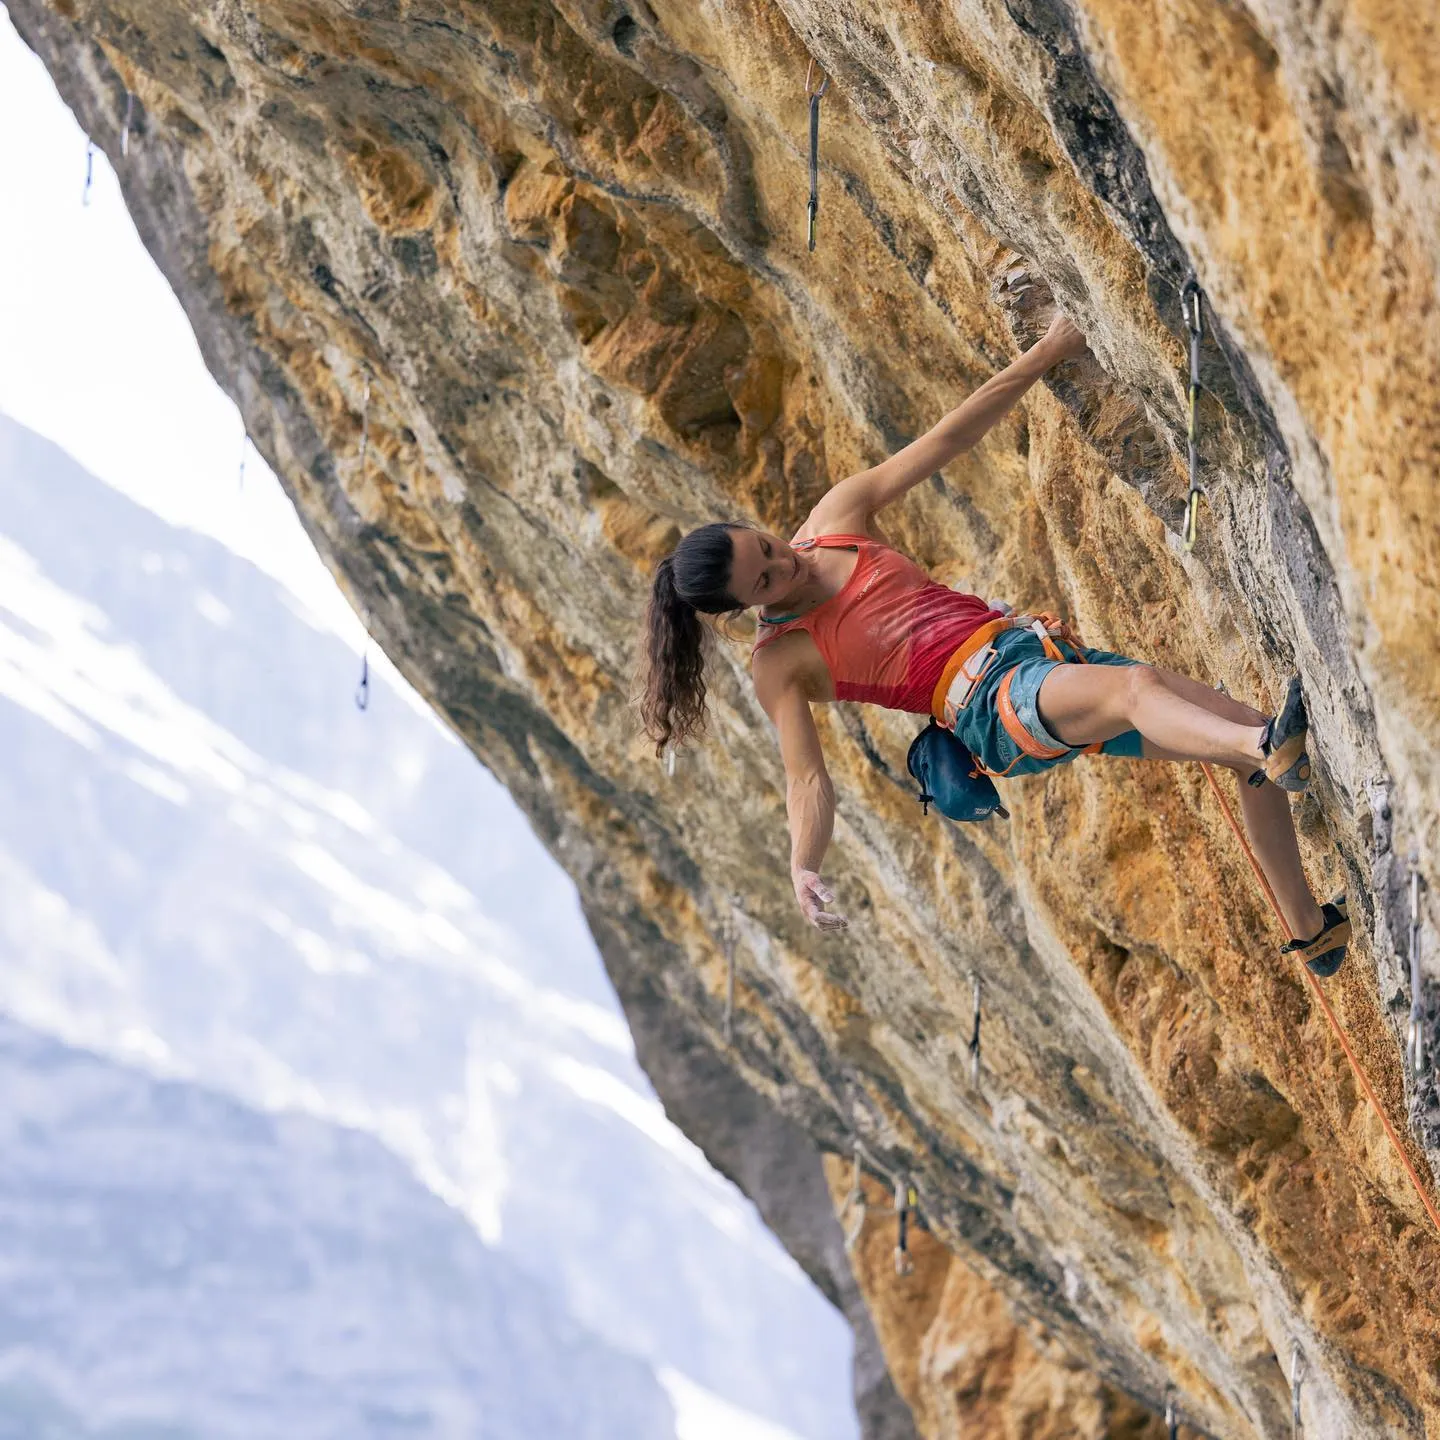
x: 1323, y: 955
x: 1283, y: 744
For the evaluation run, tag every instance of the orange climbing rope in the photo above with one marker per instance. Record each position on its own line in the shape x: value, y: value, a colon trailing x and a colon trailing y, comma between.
x: 1192, y: 300
x: 1355, y: 1065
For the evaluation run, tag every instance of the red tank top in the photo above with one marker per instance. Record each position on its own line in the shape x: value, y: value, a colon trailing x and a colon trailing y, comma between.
x: 886, y: 635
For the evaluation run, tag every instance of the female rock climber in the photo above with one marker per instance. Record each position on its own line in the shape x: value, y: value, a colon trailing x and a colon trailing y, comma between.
x: 844, y: 616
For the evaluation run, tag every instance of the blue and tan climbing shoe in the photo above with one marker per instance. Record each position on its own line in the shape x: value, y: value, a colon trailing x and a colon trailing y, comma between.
x: 1283, y: 744
x: 1324, y: 954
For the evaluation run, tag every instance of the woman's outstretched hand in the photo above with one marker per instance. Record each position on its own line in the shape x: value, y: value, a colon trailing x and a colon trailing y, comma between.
x: 814, y: 895
x: 1063, y: 340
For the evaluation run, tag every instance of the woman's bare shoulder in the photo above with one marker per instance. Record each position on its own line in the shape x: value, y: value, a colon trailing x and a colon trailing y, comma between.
x: 832, y: 518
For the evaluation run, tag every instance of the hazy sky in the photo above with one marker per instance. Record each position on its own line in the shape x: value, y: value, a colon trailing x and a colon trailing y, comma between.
x: 97, y: 355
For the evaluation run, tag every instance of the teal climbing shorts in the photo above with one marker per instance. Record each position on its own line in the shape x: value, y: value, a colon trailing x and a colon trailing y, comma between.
x: 1001, y: 725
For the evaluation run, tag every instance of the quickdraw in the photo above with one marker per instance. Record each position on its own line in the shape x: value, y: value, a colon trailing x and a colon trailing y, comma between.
x: 905, y: 1200
x: 89, y: 171
x: 906, y: 1210
x: 1415, y: 1034
x: 125, y: 128
x: 1192, y: 300
x: 362, y: 690
x: 1298, y: 1368
x: 364, y: 425
x: 727, y: 941
x: 854, y: 1205
x: 814, y: 96
x: 974, y: 1046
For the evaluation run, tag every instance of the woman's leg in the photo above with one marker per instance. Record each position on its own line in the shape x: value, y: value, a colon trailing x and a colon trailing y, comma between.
x: 1181, y: 719
x: 1080, y: 704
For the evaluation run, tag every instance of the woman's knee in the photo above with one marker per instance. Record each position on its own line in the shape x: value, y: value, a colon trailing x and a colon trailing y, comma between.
x: 1141, y: 682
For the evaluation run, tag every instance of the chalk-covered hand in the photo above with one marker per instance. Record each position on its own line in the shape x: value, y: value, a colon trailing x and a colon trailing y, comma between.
x: 814, y: 895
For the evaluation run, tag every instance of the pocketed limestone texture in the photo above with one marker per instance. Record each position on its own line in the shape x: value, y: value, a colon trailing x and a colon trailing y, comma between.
x: 548, y: 257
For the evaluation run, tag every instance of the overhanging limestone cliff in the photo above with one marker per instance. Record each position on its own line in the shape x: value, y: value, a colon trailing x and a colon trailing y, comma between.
x: 560, y: 247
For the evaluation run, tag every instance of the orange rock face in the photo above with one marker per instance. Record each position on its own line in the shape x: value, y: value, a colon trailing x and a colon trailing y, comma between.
x: 961, y: 1360
x: 549, y: 257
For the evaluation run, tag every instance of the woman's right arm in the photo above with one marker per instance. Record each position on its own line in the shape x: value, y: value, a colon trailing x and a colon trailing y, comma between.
x: 809, y: 795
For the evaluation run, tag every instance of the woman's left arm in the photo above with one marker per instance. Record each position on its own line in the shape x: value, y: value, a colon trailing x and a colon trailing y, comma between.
x: 960, y: 430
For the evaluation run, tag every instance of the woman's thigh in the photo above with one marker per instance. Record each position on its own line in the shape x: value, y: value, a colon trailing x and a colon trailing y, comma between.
x: 1080, y: 704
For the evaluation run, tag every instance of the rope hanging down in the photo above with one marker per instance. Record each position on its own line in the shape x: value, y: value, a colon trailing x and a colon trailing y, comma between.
x: 1191, y: 297
x: 813, y: 208
x: 1355, y: 1065
x: 1192, y: 300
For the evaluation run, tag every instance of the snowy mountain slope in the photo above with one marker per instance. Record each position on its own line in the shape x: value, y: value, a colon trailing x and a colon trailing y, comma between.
x: 174, y: 1262
x: 213, y: 865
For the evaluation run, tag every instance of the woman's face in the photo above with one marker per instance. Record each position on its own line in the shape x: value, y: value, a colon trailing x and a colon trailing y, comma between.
x: 764, y: 570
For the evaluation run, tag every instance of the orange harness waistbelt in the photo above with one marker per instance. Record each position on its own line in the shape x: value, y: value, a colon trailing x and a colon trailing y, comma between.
x: 967, y: 666
x: 970, y: 661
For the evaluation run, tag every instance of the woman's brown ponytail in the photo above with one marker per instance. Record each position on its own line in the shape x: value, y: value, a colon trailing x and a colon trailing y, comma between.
x: 691, y: 582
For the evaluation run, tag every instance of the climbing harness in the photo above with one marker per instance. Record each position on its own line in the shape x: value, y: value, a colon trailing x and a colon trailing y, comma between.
x: 362, y: 690
x: 1298, y: 1369
x: 1415, y: 1034
x: 975, y: 1034
x: 1192, y: 299
x: 89, y: 170
x: 905, y: 1200
x: 813, y: 208
x: 125, y: 128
